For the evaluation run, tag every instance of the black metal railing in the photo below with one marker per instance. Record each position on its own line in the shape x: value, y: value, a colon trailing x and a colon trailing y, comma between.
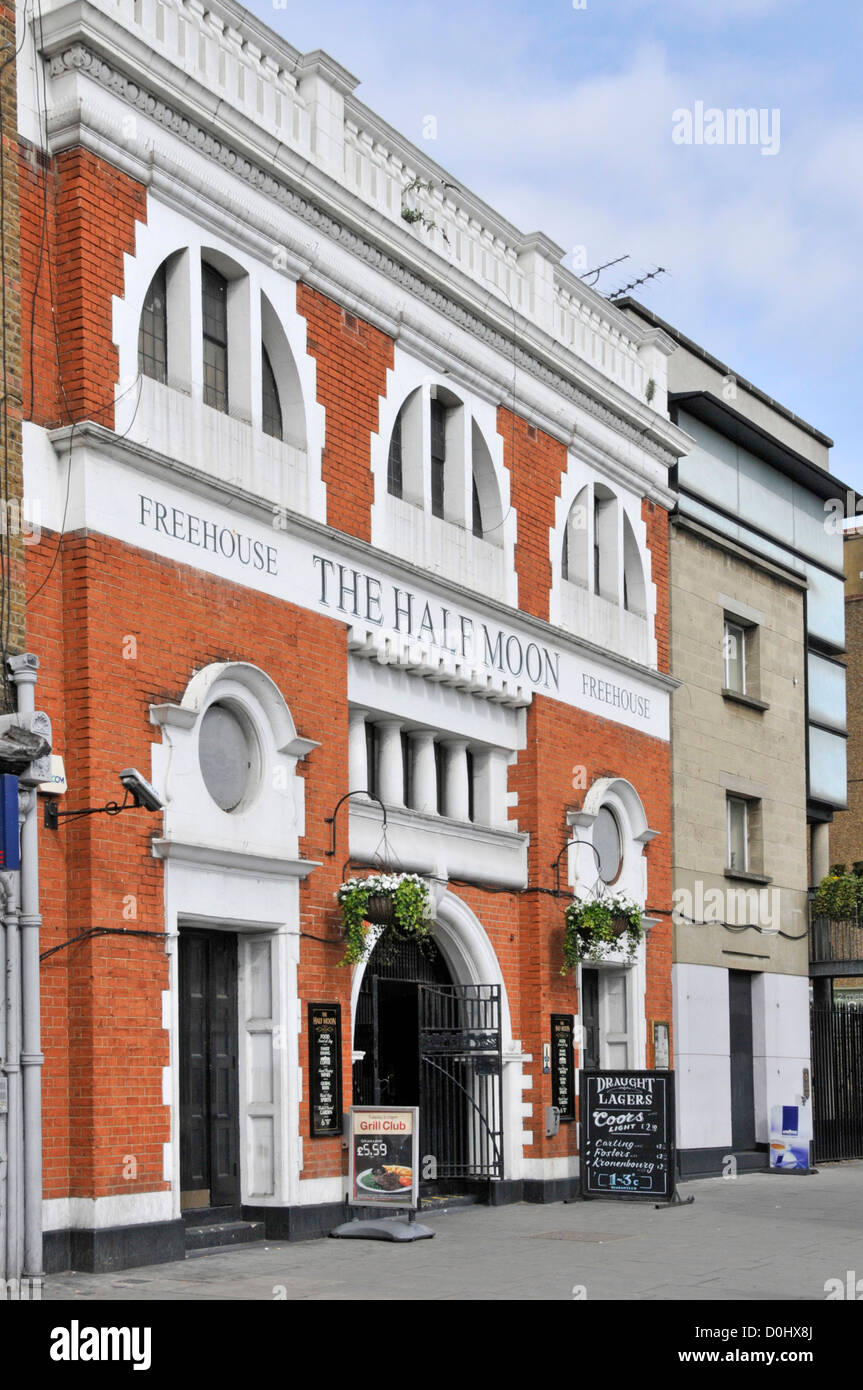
x: 837, y: 1082
x: 461, y: 1079
x: 834, y: 940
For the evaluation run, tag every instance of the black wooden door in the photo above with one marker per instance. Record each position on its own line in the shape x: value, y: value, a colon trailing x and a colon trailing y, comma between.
x: 742, y: 1079
x: 209, y: 1098
x: 590, y: 1019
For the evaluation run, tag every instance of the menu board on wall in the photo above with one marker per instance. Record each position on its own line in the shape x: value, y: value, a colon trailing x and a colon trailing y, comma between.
x: 325, y: 1069
x: 384, y: 1164
x: 627, y: 1134
x: 562, y: 1065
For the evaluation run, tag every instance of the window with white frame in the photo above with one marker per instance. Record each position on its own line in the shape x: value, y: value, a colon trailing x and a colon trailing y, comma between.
x: 600, y: 550
x: 739, y: 829
x: 608, y: 845
x: 438, y: 459
x: 734, y: 651
x: 225, y: 345
x: 741, y: 660
x: 214, y: 321
x: 153, y: 329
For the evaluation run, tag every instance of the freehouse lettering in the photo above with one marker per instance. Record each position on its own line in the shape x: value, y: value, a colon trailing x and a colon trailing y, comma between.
x: 197, y: 531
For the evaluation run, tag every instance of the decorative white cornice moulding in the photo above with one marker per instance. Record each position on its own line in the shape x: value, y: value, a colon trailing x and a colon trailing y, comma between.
x: 117, y: 61
x: 211, y: 856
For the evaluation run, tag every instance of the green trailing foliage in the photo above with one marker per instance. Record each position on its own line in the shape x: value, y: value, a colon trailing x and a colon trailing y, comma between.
x: 592, y: 929
x: 840, y: 894
x: 411, y: 911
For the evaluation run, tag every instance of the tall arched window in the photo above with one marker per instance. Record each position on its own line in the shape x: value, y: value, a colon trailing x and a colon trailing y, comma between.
x: 153, y: 329
x: 437, y: 457
x: 271, y: 410
x: 214, y: 305
x: 600, y: 552
x: 395, y: 472
x: 634, y: 597
x: 575, y: 537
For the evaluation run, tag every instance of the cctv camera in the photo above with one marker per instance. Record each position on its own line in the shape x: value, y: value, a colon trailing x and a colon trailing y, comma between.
x: 142, y: 793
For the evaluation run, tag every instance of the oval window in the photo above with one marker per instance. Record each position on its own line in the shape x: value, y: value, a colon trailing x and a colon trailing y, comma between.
x: 225, y: 753
x: 606, y: 840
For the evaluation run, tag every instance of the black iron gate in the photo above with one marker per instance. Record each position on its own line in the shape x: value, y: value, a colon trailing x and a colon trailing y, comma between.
x: 837, y: 1082
x: 461, y: 1104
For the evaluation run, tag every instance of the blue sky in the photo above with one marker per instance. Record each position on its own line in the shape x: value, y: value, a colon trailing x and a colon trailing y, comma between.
x: 561, y: 117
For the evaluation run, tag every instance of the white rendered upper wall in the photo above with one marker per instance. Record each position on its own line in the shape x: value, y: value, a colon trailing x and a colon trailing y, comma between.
x: 300, y: 110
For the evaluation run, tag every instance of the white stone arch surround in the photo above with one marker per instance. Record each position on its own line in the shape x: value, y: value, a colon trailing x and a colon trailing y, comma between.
x: 408, y: 375
x: 621, y: 797
x: 172, y: 420
x: 606, y: 624
x: 472, y: 960
x: 239, y: 872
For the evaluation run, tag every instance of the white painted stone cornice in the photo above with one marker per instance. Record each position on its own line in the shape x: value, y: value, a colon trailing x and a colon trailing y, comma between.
x: 238, y: 861
x: 133, y: 74
x: 319, y: 63
x: 473, y: 362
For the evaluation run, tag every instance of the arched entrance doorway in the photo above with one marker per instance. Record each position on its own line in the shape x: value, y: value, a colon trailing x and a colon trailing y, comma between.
x: 429, y: 1041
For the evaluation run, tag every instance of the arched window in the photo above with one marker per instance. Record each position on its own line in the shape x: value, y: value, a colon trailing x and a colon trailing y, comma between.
x: 634, y: 598
x: 214, y: 305
x: 437, y: 456
x: 395, y: 471
x: 283, y: 415
x: 600, y: 552
x: 271, y: 410
x: 575, y: 537
x: 153, y: 329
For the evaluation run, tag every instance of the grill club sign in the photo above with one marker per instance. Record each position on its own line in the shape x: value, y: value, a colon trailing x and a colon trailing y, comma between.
x: 384, y: 1157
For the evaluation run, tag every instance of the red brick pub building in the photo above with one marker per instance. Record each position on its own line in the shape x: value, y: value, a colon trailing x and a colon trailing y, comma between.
x: 346, y: 486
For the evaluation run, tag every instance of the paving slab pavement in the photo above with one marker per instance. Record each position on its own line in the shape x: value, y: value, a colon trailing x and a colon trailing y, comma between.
x: 760, y: 1237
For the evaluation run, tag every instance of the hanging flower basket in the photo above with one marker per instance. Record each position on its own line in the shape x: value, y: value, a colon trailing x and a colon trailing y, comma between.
x: 397, y: 903
x: 380, y: 910
x: 595, y: 928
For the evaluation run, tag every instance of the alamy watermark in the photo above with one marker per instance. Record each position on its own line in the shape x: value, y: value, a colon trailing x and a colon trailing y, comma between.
x: 736, y: 125
x: 736, y: 907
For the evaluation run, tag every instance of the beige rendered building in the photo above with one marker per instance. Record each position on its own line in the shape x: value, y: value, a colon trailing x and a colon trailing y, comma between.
x: 758, y: 749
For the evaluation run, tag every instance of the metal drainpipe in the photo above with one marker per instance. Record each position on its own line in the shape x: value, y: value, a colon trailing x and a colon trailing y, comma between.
x: 24, y: 673
x: 14, y: 1119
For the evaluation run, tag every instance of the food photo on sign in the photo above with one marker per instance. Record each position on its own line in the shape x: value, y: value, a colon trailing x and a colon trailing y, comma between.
x: 383, y: 1167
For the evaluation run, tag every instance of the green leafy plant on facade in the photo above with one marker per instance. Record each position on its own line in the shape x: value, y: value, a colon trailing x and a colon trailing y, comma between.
x: 411, y: 911
x: 839, y: 895
x: 413, y: 215
x: 592, y: 929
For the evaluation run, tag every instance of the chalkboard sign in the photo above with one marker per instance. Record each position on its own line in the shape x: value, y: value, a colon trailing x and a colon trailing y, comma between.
x: 384, y: 1156
x: 562, y: 1066
x: 627, y: 1134
x: 325, y: 1069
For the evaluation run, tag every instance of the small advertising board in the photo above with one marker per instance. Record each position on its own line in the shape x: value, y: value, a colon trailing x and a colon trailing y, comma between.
x: 384, y: 1156
x: 562, y: 1065
x: 325, y: 1069
x: 627, y: 1134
